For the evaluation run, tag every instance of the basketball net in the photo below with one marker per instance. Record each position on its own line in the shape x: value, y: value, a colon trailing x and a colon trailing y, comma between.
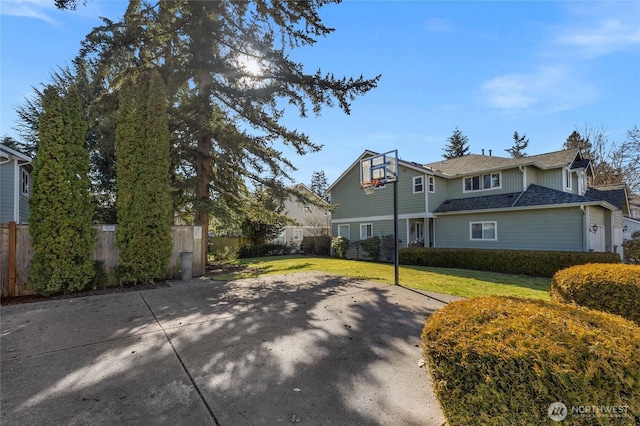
x: 370, y: 186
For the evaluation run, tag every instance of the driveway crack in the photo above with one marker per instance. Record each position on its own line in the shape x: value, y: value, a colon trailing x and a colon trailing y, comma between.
x: 184, y: 367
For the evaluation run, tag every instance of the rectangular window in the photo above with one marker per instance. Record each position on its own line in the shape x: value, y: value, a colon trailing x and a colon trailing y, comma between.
x: 432, y: 184
x: 567, y: 175
x: 297, y: 234
x: 344, y: 231
x: 25, y: 184
x: 418, y: 185
x: 483, y: 231
x: 481, y: 182
x: 366, y: 231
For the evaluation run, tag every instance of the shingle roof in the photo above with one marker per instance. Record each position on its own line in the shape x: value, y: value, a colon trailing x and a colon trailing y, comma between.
x: 615, y: 195
x: 535, y: 195
x: 474, y: 163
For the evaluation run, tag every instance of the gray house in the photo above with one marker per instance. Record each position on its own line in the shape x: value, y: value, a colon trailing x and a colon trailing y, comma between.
x: 15, y: 185
x: 311, y: 219
x: 541, y: 202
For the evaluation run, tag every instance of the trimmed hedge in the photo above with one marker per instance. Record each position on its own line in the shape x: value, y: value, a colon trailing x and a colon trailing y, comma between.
x: 262, y: 250
x: 534, y: 263
x: 320, y: 245
x: 606, y: 287
x: 504, y: 360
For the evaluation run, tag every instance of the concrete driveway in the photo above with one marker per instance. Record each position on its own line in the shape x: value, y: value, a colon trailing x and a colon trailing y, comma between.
x: 304, y: 348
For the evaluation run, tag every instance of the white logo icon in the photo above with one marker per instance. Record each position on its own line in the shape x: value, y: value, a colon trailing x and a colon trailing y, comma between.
x: 557, y: 411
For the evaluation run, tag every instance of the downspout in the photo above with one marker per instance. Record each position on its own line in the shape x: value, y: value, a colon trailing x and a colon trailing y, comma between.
x: 524, y: 182
x: 585, y: 228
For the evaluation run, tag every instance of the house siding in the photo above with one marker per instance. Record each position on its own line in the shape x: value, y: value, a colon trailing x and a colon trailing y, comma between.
x: 516, y: 230
x: 551, y: 179
x: 511, y: 181
x: 380, y: 229
x: 6, y: 192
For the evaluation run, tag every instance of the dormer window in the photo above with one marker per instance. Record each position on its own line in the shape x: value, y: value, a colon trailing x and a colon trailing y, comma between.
x: 567, y: 179
x: 482, y: 182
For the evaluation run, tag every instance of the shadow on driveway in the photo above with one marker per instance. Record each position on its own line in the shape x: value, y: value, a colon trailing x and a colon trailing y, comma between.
x: 302, y: 348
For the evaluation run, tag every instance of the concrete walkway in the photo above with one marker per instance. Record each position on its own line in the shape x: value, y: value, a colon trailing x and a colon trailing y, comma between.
x: 302, y: 348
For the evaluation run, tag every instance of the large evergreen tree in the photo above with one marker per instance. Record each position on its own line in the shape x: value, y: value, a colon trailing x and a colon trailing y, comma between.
x: 226, y: 117
x: 144, y: 201
x: 520, y: 143
x: 61, y: 212
x: 458, y: 145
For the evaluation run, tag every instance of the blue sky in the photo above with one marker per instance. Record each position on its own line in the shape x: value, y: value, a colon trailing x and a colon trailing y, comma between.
x: 489, y: 68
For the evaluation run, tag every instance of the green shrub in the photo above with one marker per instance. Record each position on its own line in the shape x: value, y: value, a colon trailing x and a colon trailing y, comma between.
x: 372, y: 247
x: 535, y: 263
x: 320, y: 245
x: 226, y: 254
x: 606, y: 287
x: 504, y: 360
x: 632, y: 250
x: 340, y: 245
x: 262, y: 250
x: 387, y: 248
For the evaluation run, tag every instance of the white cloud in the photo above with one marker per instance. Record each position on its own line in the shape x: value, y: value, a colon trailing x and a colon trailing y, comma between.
x: 438, y: 25
x: 605, y: 36
x: 548, y: 89
x: 36, y: 9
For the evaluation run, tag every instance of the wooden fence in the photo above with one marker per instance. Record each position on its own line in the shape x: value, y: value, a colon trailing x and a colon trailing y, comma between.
x: 16, y: 252
x: 222, y: 244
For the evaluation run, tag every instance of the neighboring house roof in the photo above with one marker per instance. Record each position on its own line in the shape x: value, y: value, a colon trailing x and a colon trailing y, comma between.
x: 301, y: 188
x: 474, y: 163
x: 534, y: 196
x: 7, y: 153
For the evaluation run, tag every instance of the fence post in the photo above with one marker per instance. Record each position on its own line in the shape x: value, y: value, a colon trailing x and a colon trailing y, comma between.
x: 12, y: 258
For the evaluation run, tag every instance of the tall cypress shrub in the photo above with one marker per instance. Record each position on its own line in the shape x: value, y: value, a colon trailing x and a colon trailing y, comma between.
x: 144, y: 194
x: 61, y: 217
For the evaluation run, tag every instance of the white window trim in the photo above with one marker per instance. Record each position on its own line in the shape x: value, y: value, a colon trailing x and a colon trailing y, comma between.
x: 415, y: 178
x: 348, y: 231
x: 363, y: 236
x: 567, y: 179
x: 485, y: 222
x: 480, y: 177
x: 298, y: 232
x: 431, y: 183
x: 25, y: 189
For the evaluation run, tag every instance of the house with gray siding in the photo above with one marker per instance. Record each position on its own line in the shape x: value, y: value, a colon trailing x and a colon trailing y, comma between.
x: 310, y: 218
x: 15, y: 185
x: 540, y: 202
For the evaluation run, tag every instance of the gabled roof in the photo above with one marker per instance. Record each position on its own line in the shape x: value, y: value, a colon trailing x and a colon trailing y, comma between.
x: 302, y: 188
x: 473, y: 163
x: 534, y: 196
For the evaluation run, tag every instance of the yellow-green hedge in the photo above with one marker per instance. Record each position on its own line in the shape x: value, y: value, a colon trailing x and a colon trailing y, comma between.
x: 504, y: 360
x: 613, y: 288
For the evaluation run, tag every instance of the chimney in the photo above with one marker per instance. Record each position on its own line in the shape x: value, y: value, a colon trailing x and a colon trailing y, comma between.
x: 489, y: 153
x: 482, y: 151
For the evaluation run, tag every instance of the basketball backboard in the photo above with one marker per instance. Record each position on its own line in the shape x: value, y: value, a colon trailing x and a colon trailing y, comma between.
x: 379, y: 169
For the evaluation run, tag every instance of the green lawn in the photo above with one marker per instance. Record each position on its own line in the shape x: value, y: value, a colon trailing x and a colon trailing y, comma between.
x: 457, y: 282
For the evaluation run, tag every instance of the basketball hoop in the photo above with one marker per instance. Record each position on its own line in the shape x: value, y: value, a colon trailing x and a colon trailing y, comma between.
x: 370, y: 186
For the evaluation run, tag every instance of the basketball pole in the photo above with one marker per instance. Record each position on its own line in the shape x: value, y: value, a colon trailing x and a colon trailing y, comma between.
x: 396, y: 265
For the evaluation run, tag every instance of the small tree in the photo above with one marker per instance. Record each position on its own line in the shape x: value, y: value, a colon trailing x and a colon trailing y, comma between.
x: 61, y: 211
x: 458, y: 145
x: 263, y: 219
x: 319, y: 183
x: 144, y: 201
x: 520, y: 143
